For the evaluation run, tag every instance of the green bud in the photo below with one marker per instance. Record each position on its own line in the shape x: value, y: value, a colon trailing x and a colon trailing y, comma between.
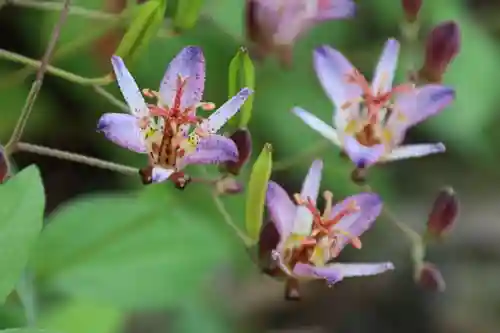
x: 146, y: 22
x: 187, y: 13
x: 241, y: 75
x: 256, y: 195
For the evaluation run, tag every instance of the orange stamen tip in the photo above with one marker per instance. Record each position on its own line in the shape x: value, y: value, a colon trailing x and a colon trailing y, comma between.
x: 356, y: 242
x: 207, y: 106
x: 298, y: 199
x: 327, y: 195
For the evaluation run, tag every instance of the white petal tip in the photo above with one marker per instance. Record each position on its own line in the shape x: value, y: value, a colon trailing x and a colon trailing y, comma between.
x: 439, y: 147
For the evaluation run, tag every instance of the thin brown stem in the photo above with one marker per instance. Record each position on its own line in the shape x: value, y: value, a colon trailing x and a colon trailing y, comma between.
x: 37, y: 85
x: 73, y: 157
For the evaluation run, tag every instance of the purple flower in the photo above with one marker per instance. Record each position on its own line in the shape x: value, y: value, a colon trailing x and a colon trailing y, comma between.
x: 309, y: 240
x: 370, y: 121
x: 274, y: 25
x: 169, y: 132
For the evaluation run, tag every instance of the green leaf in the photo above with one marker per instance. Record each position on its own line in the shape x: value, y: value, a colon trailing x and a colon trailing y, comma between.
x: 130, y: 251
x: 242, y: 75
x: 26, y: 330
x: 257, y: 187
x: 21, y: 219
x: 73, y: 317
x: 144, y: 26
x: 187, y: 13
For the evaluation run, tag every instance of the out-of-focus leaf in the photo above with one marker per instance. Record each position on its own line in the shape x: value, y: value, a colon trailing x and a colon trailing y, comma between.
x: 187, y: 13
x: 144, y: 26
x: 21, y: 219
x: 27, y: 330
x: 256, y: 195
x: 197, y: 316
x: 129, y: 251
x: 242, y: 75
x: 82, y: 317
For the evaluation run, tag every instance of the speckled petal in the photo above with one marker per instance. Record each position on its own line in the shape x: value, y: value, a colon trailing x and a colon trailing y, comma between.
x: 360, y: 155
x: 281, y: 208
x: 129, y: 88
x: 318, y: 125
x: 335, y: 9
x: 386, y: 67
x: 189, y: 64
x: 217, y: 119
x: 310, y: 189
x: 370, y: 207
x: 160, y: 174
x: 332, y: 69
x: 416, y: 150
x: 422, y: 103
x: 334, y: 273
x: 122, y: 129
x: 213, y: 150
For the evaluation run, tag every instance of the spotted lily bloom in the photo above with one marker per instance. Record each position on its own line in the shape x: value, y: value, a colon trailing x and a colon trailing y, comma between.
x: 170, y: 132
x: 274, y: 25
x: 309, y: 240
x: 370, y: 121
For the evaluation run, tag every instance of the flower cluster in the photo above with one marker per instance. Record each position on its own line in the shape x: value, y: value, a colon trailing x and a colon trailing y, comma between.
x: 370, y: 121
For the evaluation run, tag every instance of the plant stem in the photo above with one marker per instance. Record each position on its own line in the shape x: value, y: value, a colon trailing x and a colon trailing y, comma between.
x: 303, y: 157
x: 82, y: 159
x: 58, y: 6
x: 54, y: 70
x: 227, y: 217
x: 112, y: 99
x: 37, y: 85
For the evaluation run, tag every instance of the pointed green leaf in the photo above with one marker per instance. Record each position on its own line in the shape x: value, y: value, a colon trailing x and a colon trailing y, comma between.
x: 257, y: 187
x: 241, y: 75
x: 147, y: 21
x: 187, y: 13
x: 129, y: 251
x: 21, y: 219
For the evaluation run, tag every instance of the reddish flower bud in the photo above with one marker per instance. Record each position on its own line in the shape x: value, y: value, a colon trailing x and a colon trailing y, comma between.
x: 443, y: 214
x: 228, y: 185
x: 443, y: 44
x: 243, y: 140
x: 411, y: 9
x: 4, y: 166
x: 430, y: 278
x: 180, y: 179
x: 268, y: 240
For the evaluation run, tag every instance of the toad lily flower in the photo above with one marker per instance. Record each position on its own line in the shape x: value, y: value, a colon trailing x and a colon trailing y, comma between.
x: 169, y: 132
x: 274, y: 25
x: 371, y: 121
x: 309, y: 240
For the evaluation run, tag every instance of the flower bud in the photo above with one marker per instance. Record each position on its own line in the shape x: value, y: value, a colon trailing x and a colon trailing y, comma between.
x: 443, y: 214
x: 430, y: 278
x: 228, y: 185
x: 268, y: 240
x: 411, y: 9
x: 443, y: 44
x: 243, y: 140
x: 180, y: 179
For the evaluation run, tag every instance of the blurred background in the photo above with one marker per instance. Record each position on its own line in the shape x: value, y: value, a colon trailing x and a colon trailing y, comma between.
x: 186, y: 271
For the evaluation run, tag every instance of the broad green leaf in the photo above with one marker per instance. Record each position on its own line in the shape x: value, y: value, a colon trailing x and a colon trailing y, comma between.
x: 129, y: 251
x: 187, y: 13
x: 242, y: 75
x: 257, y: 187
x: 73, y: 317
x: 21, y: 219
x: 144, y: 26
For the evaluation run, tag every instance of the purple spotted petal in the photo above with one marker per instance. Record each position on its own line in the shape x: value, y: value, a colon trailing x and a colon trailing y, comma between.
x: 213, y: 150
x: 413, y: 151
x: 335, y: 9
x: 334, y: 273
x: 122, y: 129
x: 370, y: 207
x: 160, y: 174
x: 332, y: 69
x: 362, y: 156
x: 386, y: 67
x: 424, y: 102
x: 129, y: 88
x: 217, y: 119
x: 281, y: 208
x: 189, y: 64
